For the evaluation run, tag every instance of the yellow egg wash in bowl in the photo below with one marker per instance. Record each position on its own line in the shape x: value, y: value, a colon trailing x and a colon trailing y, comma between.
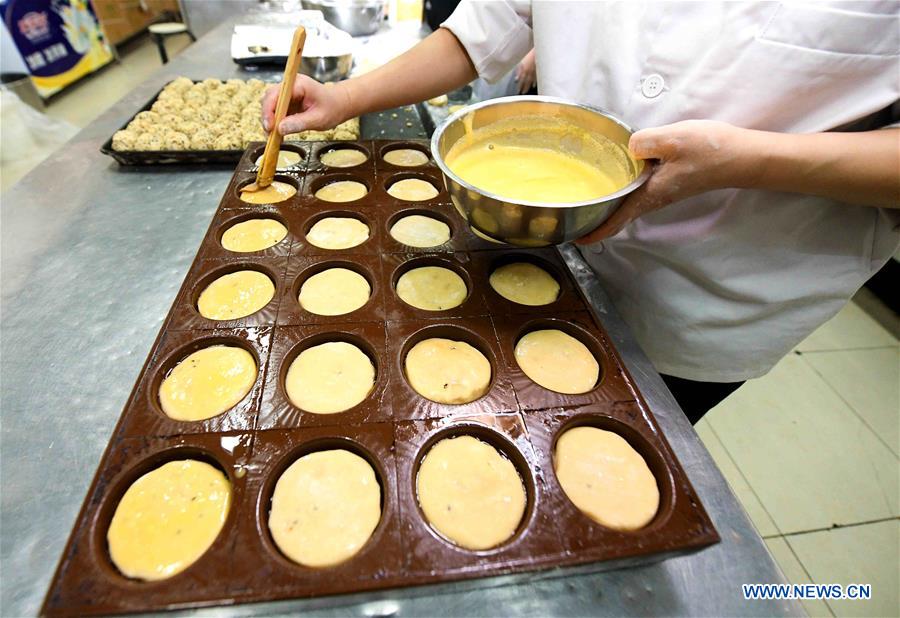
x: 536, y: 159
x: 533, y: 170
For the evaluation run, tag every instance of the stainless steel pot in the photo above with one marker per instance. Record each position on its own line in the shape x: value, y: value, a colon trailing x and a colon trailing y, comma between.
x: 358, y: 17
x: 532, y: 224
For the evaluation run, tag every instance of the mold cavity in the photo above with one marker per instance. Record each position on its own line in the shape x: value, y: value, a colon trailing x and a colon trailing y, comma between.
x: 167, y: 513
x: 235, y: 295
x: 338, y: 230
x: 343, y: 156
x: 288, y: 156
x: 253, y: 234
x: 281, y: 189
x: 610, y: 473
x: 206, y: 379
x: 405, y: 155
x: 318, y: 529
x: 446, y: 364
x: 339, y: 188
x: 417, y: 229
x: 431, y: 285
x: 334, y: 291
x: 557, y: 358
x: 412, y: 188
x: 473, y: 488
x: 524, y: 280
x: 329, y: 373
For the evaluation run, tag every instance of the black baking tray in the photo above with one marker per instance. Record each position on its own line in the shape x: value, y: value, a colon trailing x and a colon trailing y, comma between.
x: 167, y: 157
x: 402, y: 122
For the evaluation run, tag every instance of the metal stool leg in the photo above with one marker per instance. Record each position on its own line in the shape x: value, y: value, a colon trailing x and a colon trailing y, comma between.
x: 161, y: 45
x: 191, y: 34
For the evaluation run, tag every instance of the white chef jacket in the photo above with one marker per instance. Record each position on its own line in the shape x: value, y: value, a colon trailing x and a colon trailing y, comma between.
x: 720, y: 286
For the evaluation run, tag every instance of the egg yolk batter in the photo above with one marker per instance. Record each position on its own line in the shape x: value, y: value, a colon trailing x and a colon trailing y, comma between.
x: 276, y: 192
x: 530, y: 174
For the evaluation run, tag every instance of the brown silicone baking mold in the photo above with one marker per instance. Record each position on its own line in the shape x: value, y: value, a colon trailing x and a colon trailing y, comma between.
x: 392, y: 428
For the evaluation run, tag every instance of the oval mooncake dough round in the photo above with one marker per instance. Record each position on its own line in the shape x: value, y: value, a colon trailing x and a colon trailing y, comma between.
x: 525, y: 283
x: 470, y: 493
x: 253, y: 235
x: 343, y: 157
x: 606, y: 478
x: 207, y: 382
x: 329, y: 378
x: 276, y: 192
x: 236, y: 295
x: 413, y: 190
x: 420, y: 231
x: 335, y: 291
x: 167, y: 519
x: 338, y: 233
x: 432, y: 288
x: 342, y: 191
x: 447, y: 371
x: 406, y: 157
x: 557, y: 361
x: 286, y: 158
x: 325, y: 507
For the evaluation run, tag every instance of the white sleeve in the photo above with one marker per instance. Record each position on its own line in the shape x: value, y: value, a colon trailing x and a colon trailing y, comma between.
x: 495, y: 33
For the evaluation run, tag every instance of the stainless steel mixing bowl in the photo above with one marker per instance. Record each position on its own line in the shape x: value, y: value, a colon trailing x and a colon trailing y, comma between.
x: 358, y: 17
x: 327, y: 68
x: 534, y: 224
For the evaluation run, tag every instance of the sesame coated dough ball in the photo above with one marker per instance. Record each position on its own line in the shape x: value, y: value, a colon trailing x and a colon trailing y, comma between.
x: 188, y: 127
x: 124, y: 140
x: 177, y: 141
x: 180, y: 83
x: 169, y: 120
x: 228, y: 141
x: 169, y: 106
x: 168, y: 94
x: 203, y: 139
x: 211, y: 83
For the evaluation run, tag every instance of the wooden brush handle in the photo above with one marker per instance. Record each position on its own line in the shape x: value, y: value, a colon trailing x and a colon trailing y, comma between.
x: 266, y: 173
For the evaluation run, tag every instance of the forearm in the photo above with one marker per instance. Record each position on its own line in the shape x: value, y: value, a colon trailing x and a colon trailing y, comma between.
x: 435, y: 66
x: 859, y: 168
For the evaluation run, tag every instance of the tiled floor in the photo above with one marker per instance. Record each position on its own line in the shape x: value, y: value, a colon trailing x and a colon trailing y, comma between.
x: 812, y: 452
x: 811, y: 449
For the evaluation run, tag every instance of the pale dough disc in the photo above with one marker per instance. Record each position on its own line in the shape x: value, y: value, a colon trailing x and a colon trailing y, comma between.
x: 432, y: 288
x: 525, y: 283
x: 338, y: 233
x: 208, y: 382
x: 413, y: 190
x: 335, y: 291
x: 342, y: 191
x: 329, y: 378
x: 406, y: 157
x: 167, y: 519
x: 325, y: 507
x: 236, y: 295
x: 606, y: 478
x: 557, y: 361
x: 420, y: 231
x: 253, y: 235
x: 447, y: 371
x: 276, y: 192
x: 470, y: 493
x: 343, y: 157
x: 286, y: 158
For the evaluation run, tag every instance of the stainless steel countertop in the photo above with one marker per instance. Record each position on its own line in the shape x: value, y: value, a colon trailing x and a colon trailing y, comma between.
x: 92, y: 255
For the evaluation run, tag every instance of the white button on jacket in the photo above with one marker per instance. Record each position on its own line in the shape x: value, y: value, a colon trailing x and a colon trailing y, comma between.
x: 720, y: 286
x: 652, y: 86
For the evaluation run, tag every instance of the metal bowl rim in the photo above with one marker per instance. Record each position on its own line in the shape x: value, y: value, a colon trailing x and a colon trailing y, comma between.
x: 439, y: 159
